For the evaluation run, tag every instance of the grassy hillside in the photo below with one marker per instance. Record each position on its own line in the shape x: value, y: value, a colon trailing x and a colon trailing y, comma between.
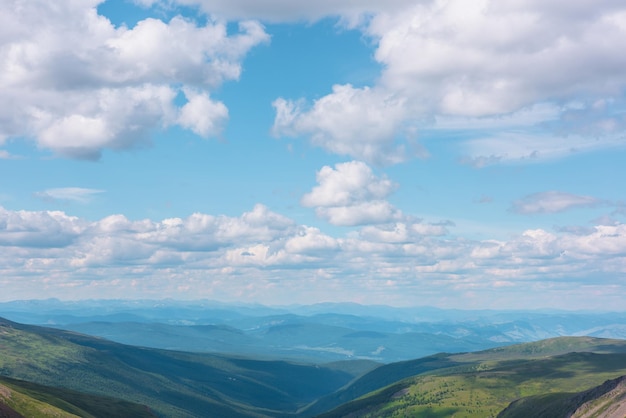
x: 483, y: 384
x: 170, y: 383
x: 32, y: 400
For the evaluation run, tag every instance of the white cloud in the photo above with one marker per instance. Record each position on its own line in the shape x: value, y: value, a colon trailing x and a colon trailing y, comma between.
x: 74, y: 194
x: 487, y: 64
x: 202, y: 115
x: 360, y: 122
x: 351, y: 194
x: 401, y: 232
x: 39, y: 229
x: 346, y: 184
x: 553, y: 202
x: 77, y: 85
x: 246, y: 257
x: 495, y: 57
x: 363, y: 213
x: 311, y: 241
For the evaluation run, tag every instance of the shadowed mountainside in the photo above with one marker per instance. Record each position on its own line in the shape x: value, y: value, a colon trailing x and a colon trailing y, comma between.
x: 171, y: 383
x: 607, y: 400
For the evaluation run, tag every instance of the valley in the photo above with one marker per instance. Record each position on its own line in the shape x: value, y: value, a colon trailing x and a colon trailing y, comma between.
x: 259, y: 362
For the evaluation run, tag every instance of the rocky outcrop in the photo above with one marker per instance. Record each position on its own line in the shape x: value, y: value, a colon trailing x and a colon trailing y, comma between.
x: 605, y: 401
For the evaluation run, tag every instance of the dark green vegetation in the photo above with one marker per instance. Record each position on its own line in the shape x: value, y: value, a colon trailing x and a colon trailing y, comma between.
x: 170, y: 383
x: 482, y: 384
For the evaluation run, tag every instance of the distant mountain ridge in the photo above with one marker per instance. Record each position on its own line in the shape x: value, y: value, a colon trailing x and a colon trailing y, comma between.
x: 316, y: 333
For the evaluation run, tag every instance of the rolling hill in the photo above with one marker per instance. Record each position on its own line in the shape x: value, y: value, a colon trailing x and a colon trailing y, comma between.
x: 481, y: 384
x: 171, y: 383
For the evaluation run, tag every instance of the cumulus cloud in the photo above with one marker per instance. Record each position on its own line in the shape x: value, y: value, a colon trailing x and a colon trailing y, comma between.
x: 311, y: 241
x: 458, y: 65
x: 360, y: 122
x: 346, y: 184
x: 553, y: 202
x: 76, y: 84
x: 351, y: 194
x: 495, y: 57
x: 202, y: 115
x: 39, y: 229
x: 73, y: 194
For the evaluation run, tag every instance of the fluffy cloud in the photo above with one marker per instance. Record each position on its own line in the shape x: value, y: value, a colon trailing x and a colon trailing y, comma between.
x: 202, y: 115
x: 347, y: 184
x: 469, y: 62
x: 311, y: 241
x: 494, y: 57
x: 359, y: 122
x: 350, y: 194
x: 77, y: 85
x: 39, y: 229
x: 552, y: 202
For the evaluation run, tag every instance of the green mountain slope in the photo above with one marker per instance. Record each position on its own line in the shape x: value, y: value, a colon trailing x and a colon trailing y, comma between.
x: 484, y: 383
x: 33, y: 400
x: 607, y: 400
x: 170, y: 383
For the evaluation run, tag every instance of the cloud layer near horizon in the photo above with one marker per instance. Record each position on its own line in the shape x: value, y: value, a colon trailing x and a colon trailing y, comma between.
x: 248, y: 255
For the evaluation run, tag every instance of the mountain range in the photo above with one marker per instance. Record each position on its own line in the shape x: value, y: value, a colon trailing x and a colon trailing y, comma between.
x: 315, y: 333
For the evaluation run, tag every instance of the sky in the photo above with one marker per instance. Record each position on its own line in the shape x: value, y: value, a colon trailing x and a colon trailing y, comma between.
x: 409, y: 152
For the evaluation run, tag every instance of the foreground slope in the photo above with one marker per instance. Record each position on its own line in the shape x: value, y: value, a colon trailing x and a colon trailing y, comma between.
x: 20, y: 398
x: 482, y: 384
x: 607, y: 400
x: 170, y: 383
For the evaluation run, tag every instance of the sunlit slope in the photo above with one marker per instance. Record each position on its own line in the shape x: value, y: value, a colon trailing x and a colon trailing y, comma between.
x: 483, y: 384
x: 171, y: 383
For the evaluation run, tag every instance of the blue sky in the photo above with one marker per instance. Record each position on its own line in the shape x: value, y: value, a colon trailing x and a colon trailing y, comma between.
x: 444, y: 153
